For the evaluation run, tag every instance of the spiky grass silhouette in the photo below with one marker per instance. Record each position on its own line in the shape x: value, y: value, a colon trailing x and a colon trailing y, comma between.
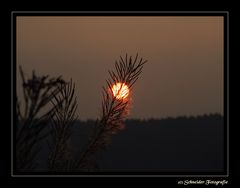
x: 60, y: 158
x: 38, y: 92
x: 114, y: 110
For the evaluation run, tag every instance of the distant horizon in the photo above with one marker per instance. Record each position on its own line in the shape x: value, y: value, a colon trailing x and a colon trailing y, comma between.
x: 159, y: 118
x: 163, y: 118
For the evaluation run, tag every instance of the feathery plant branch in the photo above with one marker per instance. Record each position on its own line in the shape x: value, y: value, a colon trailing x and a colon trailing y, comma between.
x: 41, y: 91
x: 38, y: 92
x: 62, y: 121
x: 114, y: 110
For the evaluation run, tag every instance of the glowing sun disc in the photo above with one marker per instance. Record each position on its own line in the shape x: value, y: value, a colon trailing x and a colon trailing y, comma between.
x: 120, y: 90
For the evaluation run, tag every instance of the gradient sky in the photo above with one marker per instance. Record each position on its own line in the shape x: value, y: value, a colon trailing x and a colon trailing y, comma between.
x: 183, y: 76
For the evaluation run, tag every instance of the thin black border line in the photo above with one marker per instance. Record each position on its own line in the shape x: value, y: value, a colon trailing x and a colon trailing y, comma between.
x: 116, y: 12
x: 225, y: 14
x: 227, y: 53
x: 12, y: 107
x: 129, y: 175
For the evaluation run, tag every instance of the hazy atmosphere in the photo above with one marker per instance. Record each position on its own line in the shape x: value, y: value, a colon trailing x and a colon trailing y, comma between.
x: 183, y: 75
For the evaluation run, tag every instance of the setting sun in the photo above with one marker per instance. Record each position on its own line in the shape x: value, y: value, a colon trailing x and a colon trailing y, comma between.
x: 120, y: 90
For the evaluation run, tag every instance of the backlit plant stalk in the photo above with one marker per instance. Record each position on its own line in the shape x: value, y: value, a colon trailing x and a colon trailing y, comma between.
x: 114, y: 110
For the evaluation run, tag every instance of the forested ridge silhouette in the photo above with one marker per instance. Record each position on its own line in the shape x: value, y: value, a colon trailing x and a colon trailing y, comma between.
x: 180, y: 144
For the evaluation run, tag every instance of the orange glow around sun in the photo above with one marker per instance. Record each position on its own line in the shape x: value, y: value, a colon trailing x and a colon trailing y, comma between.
x: 120, y: 90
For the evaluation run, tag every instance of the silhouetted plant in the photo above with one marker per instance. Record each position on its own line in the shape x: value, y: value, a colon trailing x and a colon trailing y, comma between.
x: 114, y: 110
x: 38, y: 92
x: 60, y: 158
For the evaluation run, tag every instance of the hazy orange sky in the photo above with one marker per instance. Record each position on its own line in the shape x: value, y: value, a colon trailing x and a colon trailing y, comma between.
x: 183, y: 76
